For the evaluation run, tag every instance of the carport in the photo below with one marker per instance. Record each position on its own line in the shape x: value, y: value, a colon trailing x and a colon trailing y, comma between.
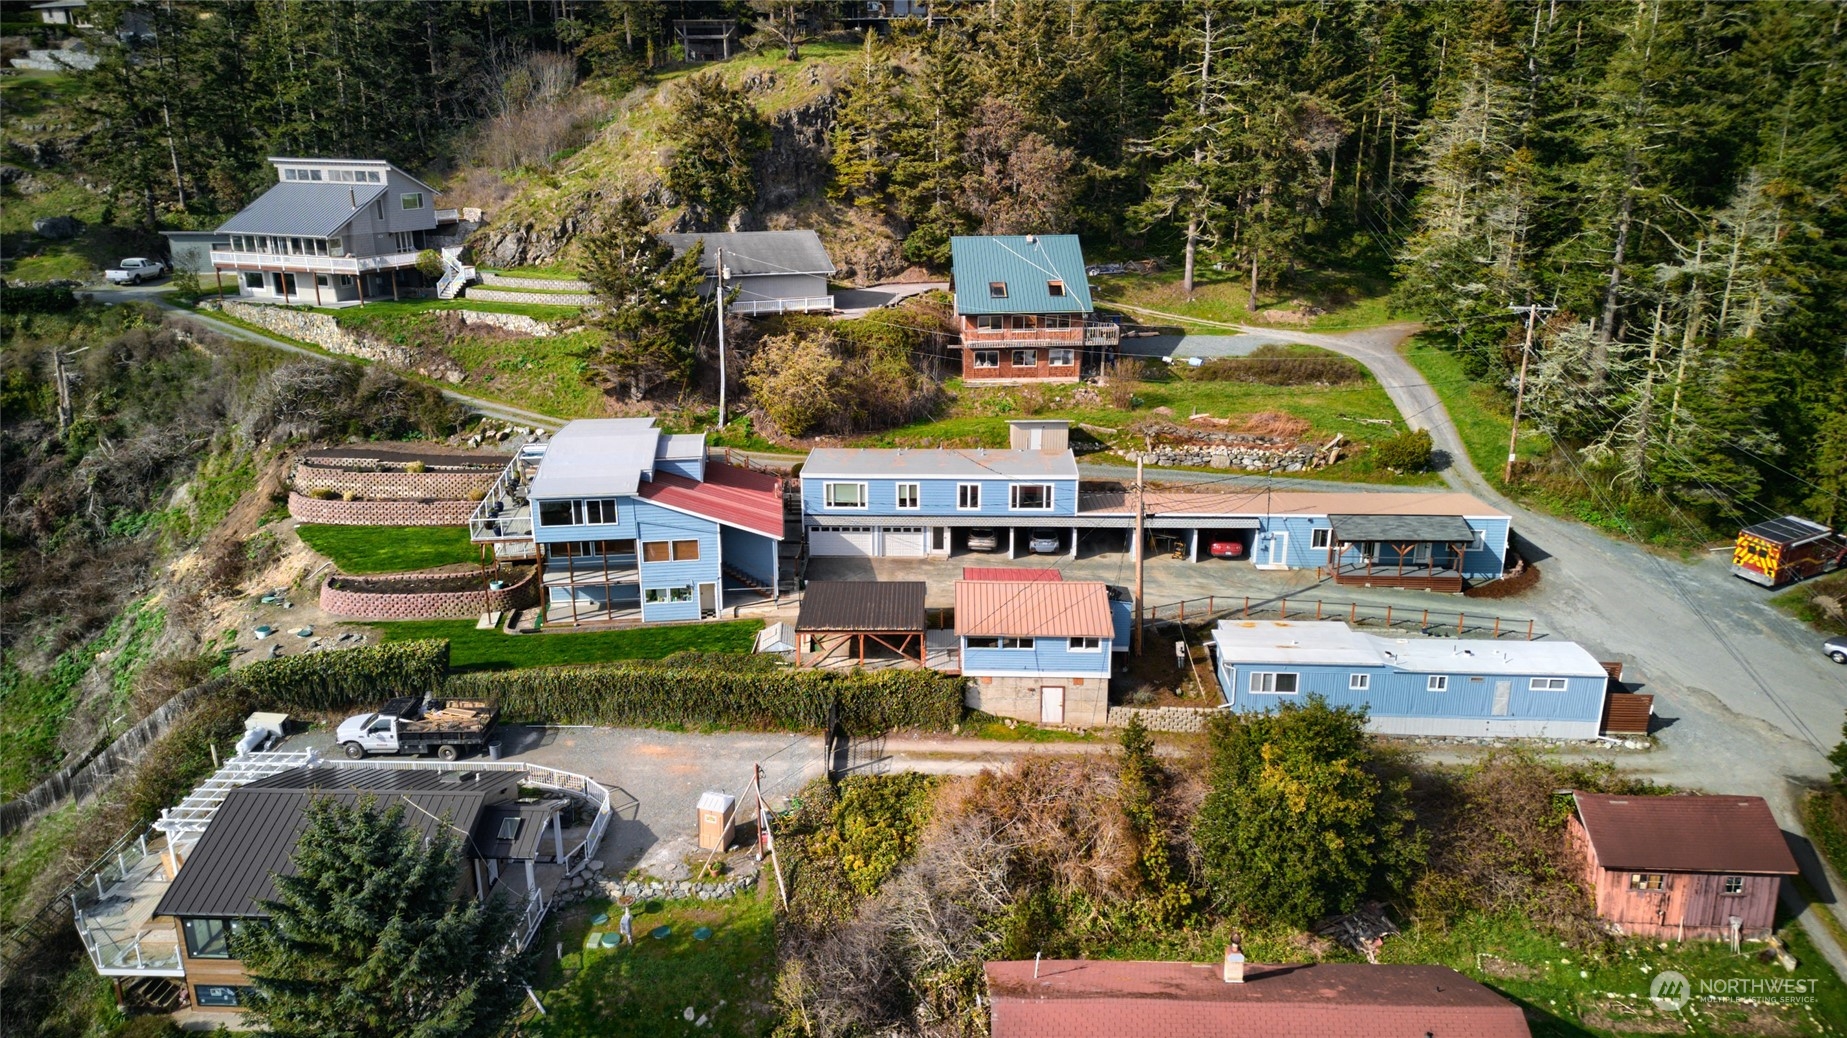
x: 839, y: 615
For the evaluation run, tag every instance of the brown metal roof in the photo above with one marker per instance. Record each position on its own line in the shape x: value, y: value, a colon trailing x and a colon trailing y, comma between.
x: 1093, y: 999
x: 1685, y: 834
x: 862, y: 605
x: 1033, y: 609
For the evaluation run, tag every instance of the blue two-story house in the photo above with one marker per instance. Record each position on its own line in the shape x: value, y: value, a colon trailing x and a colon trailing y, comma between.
x: 1415, y: 686
x: 915, y: 503
x: 630, y: 523
x: 1037, y: 650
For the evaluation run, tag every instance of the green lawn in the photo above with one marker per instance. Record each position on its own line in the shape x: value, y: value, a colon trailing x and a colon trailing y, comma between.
x: 382, y: 312
x: 646, y: 989
x: 389, y: 549
x: 473, y: 649
x: 1352, y: 300
x: 1480, y: 411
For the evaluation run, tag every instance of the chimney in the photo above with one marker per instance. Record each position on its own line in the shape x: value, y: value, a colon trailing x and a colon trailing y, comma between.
x: 1234, y: 964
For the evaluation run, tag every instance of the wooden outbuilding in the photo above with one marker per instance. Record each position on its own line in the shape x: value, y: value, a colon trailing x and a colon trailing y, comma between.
x: 1682, y: 866
x: 840, y: 619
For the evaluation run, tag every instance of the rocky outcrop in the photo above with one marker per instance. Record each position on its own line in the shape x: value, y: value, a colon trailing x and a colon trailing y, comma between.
x: 507, y: 322
x: 56, y: 227
x: 795, y: 165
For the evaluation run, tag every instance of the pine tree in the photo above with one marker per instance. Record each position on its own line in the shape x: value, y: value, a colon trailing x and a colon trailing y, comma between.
x: 716, y: 134
x: 368, y: 938
x: 866, y: 124
x: 649, y: 308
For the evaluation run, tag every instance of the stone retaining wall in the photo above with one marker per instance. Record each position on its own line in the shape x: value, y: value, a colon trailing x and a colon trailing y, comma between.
x: 393, y: 485
x: 491, y: 295
x: 335, y: 512
x: 429, y: 605
x: 519, y: 323
x: 488, y: 277
x: 324, y: 331
x: 1162, y: 718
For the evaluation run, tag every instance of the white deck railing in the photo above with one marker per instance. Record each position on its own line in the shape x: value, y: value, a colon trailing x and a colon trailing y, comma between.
x: 803, y: 304
x: 500, y: 516
x: 313, y: 264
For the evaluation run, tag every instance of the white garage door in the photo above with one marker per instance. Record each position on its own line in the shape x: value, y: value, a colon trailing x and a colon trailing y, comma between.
x: 904, y: 542
x: 840, y: 540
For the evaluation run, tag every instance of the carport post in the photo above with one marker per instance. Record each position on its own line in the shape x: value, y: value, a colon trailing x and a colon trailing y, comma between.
x: 558, y: 836
x: 1013, y: 542
x: 1073, y: 555
x: 1192, y: 545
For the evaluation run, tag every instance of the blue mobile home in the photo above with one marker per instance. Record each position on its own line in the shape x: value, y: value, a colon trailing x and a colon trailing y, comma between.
x: 1415, y: 686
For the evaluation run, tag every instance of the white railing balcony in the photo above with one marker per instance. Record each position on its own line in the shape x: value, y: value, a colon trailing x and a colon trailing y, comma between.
x: 803, y: 304
x: 448, y: 215
x: 503, y: 515
x: 1102, y: 333
x: 113, y: 909
x: 312, y: 264
x: 591, y: 569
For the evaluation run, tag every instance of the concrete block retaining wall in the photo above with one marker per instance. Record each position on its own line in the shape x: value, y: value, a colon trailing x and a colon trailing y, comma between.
x: 429, y: 605
x: 491, y: 295
x: 1162, y: 718
x: 488, y: 277
x: 395, y: 485
x: 335, y: 512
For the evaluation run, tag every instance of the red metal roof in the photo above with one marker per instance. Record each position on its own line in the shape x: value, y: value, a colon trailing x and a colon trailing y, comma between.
x: 1009, y: 573
x: 1685, y: 834
x: 1090, y: 999
x: 1033, y: 609
x: 731, y: 495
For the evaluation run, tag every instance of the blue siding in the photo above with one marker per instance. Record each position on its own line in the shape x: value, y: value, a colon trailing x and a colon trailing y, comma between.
x: 1047, y: 656
x: 691, y: 468
x: 937, y: 497
x: 1122, y: 619
x: 1397, y: 693
x: 752, y: 553
x: 1480, y: 563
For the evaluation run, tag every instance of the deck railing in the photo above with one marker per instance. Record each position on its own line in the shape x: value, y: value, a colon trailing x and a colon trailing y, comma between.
x: 315, y: 264
x: 497, y: 517
x: 801, y: 304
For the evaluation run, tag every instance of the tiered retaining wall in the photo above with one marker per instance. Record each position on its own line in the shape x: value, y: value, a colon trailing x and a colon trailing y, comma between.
x: 550, y: 284
x: 428, y: 605
x: 519, y: 323
x: 493, y: 295
x: 393, y: 485
x: 335, y: 512
x: 324, y: 331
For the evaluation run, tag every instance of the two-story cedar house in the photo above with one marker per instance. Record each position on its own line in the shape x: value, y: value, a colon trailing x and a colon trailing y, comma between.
x: 1023, y: 303
x: 630, y: 523
x: 331, y: 231
x: 1037, y: 650
x: 1415, y: 686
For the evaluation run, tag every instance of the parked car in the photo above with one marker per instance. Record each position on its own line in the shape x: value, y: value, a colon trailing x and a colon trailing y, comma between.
x: 982, y: 539
x: 136, y: 269
x: 1226, y: 549
x: 1836, y: 648
x: 1043, y: 542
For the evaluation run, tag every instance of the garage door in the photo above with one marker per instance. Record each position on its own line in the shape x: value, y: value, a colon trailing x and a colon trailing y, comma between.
x: 840, y: 540
x: 904, y: 542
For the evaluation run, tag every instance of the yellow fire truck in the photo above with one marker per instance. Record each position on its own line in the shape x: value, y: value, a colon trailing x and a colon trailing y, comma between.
x: 1786, y: 550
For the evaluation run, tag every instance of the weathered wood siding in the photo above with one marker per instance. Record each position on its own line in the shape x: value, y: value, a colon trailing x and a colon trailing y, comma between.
x: 1690, y: 904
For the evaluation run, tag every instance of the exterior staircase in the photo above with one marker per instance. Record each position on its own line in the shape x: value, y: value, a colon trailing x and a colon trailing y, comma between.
x: 741, y: 579
x: 456, y: 274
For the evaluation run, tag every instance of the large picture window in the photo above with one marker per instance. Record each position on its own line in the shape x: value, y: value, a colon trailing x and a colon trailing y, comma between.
x: 844, y: 495
x: 1031, y: 497
x: 1000, y: 643
x: 1025, y: 358
x: 210, y: 938
x: 1281, y: 683
x: 1062, y: 358
x: 411, y: 200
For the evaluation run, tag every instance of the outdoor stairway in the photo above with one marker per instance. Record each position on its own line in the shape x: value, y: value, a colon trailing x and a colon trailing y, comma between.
x: 746, y: 581
x: 456, y: 274
x: 157, y: 993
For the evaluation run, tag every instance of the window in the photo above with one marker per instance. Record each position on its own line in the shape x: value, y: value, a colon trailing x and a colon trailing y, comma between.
x: 320, y: 280
x: 658, y: 595
x: 216, y: 994
x: 1319, y: 538
x: 210, y: 938
x: 1359, y: 682
x: 1055, y: 289
x: 253, y: 281
x: 685, y: 551
x: 844, y: 495
x: 509, y: 828
x: 622, y: 547
x: 1032, y: 496
x: 404, y: 240
x: 1086, y: 645
x: 1000, y: 643
x: 997, y: 290
x: 1643, y: 881
x: 990, y: 322
x: 411, y: 200
x: 1062, y: 358
x: 1734, y: 885
x: 335, y: 246
x: 968, y: 496
x: 987, y: 358
x: 291, y: 174
x: 314, y: 174
x: 1437, y: 683
x: 669, y: 551
x: 908, y: 496
x: 1548, y: 685
x: 1278, y: 683
x: 1025, y: 358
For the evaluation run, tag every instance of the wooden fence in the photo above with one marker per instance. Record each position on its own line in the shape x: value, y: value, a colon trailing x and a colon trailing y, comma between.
x: 1437, y: 622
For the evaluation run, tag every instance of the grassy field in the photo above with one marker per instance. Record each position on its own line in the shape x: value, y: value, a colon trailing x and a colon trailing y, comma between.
x: 1479, y: 411
x: 647, y: 989
x: 1351, y: 300
x: 473, y: 649
x: 389, y: 549
x: 1804, y: 602
x: 387, y: 313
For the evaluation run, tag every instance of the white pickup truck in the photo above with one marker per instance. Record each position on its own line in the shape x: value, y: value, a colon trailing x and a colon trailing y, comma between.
x: 136, y: 269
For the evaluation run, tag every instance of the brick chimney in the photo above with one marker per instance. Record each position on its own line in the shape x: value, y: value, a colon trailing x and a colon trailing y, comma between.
x: 1234, y: 964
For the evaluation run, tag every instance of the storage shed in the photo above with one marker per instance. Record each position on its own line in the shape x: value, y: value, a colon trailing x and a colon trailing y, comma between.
x: 861, y: 621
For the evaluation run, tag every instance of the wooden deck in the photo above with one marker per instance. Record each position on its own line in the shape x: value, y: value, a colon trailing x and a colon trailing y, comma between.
x: 1416, y: 578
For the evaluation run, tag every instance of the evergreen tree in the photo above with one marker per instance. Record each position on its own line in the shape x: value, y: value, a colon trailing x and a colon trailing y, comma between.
x: 716, y: 134
x: 866, y: 124
x: 368, y: 937
x: 649, y: 308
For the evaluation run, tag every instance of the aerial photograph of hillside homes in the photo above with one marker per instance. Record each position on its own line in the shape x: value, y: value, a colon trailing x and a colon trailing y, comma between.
x: 923, y: 518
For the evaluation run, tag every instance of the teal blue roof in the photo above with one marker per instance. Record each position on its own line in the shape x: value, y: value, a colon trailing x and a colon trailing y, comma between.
x: 1026, y: 264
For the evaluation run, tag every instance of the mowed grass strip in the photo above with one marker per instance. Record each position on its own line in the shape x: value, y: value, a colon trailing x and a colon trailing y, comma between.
x: 389, y: 549
x: 473, y: 649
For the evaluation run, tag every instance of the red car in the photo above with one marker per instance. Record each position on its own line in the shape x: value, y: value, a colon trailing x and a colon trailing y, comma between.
x: 1226, y: 549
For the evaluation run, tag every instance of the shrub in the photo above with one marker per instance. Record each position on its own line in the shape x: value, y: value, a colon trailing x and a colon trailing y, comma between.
x: 475, y: 494
x: 349, y: 495
x: 321, y: 493
x: 415, y: 466
x: 1408, y: 451
x: 875, y: 826
x: 430, y: 264
x: 332, y: 681
x: 1280, y: 369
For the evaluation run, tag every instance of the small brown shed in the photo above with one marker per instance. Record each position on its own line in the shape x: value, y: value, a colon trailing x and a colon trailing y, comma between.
x: 1682, y: 866
x: 883, y: 621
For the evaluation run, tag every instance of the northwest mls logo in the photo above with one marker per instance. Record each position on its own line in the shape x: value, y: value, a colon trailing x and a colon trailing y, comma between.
x: 1669, y: 991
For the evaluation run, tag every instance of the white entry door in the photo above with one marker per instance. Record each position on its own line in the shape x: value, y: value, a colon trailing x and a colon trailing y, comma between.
x: 1279, y: 549
x: 1503, y: 698
x: 1052, y: 704
x: 904, y: 542
x: 840, y: 540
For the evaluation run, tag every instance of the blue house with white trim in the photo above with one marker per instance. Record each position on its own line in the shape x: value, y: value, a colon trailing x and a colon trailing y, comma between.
x: 1415, y: 686
x: 1037, y: 650
x: 630, y: 523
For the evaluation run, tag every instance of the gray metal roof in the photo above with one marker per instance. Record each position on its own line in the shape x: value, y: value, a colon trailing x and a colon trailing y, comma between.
x: 937, y: 462
x: 750, y: 253
x: 1026, y: 264
x: 862, y: 605
x: 315, y: 210
x: 533, y: 819
x: 1439, y: 529
x: 596, y: 457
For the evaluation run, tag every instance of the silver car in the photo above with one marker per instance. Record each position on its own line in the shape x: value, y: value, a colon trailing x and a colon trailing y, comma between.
x: 982, y: 539
x: 1043, y: 542
x: 1836, y: 648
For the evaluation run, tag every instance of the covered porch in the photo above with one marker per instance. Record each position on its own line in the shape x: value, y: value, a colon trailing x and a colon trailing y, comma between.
x: 864, y: 623
x: 1421, y: 552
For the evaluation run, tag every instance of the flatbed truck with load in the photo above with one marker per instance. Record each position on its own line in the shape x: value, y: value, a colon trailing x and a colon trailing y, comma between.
x: 451, y: 728
x: 1783, y: 551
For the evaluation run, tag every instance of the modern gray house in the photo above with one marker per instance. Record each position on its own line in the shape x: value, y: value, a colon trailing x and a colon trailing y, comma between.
x: 333, y: 231
x: 773, y: 272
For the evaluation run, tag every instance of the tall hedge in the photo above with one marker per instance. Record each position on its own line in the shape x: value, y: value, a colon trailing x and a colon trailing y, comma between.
x: 352, y: 677
x: 697, y: 693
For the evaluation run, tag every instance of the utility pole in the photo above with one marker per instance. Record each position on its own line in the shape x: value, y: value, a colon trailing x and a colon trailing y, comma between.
x: 1141, y: 552
x: 1513, y: 438
x: 721, y: 338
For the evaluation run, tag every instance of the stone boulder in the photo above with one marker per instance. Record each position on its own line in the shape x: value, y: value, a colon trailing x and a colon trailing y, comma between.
x: 56, y: 226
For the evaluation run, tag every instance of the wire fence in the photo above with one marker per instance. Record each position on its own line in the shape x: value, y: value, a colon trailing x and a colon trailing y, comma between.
x: 1422, y: 619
